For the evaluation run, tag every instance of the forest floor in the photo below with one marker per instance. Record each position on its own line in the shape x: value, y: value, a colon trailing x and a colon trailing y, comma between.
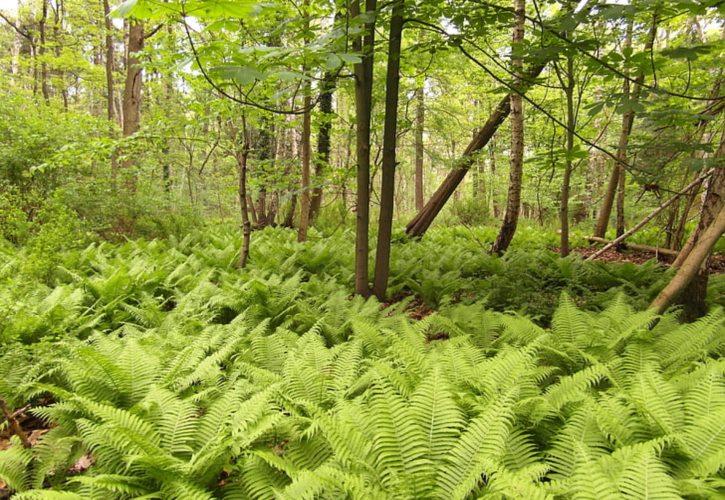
x: 717, y: 261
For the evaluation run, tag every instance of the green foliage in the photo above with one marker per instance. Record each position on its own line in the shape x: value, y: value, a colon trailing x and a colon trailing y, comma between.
x: 179, y: 376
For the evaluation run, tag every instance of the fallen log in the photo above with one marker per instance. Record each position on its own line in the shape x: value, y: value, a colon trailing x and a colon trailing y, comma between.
x: 635, y: 246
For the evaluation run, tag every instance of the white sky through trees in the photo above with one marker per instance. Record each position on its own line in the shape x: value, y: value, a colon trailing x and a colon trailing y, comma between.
x: 9, y: 5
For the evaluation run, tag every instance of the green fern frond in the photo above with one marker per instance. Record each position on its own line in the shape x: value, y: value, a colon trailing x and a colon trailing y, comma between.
x: 478, y: 451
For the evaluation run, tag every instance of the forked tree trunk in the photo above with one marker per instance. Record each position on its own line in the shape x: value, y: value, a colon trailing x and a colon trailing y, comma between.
x: 513, y: 204
x: 390, y: 132
x: 419, y: 151
x: 363, y: 110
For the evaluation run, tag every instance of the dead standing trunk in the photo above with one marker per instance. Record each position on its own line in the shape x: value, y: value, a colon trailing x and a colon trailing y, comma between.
x: 390, y: 132
x: 513, y: 204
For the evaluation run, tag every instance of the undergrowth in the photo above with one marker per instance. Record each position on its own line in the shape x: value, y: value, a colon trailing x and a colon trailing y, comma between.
x: 178, y: 376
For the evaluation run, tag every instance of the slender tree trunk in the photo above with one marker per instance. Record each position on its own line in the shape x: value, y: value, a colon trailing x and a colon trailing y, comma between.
x: 110, y: 60
x: 713, y: 200
x: 424, y: 218
x: 363, y: 110
x: 327, y: 88
x: 617, y: 178
x: 568, y: 166
x: 43, y: 50
x: 492, y: 156
x: 242, y: 156
x: 252, y: 210
x: 306, y: 203
x: 419, y: 126
x: 617, y: 241
x: 513, y: 205
x: 390, y: 132
x: 262, y: 207
x: 132, y: 93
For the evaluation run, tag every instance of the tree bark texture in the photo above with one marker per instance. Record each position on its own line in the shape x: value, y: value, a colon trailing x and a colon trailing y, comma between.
x: 513, y: 203
x: 363, y: 110
x: 390, y: 132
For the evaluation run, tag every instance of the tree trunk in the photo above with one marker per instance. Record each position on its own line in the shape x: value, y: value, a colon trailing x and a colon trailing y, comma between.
x: 305, y: 194
x: 363, y: 110
x: 110, y: 60
x: 43, y: 64
x: 242, y: 156
x: 568, y: 166
x: 419, y: 125
x: 424, y: 218
x: 617, y: 178
x: 327, y: 88
x: 252, y: 210
x: 132, y: 93
x: 691, y: 264
x: 306, y: 204
x: 513, y: 204
x: 713, y: 200
x: 616, y: 242
x: 390, y: 132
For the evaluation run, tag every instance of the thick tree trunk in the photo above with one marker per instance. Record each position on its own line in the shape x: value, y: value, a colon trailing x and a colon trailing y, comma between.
x: 691, y: 264
x: 419, y: 151
x: 363, y: 110
x: 327, y: 88
x: 390, y: 132
x: 132, y: 94
x: 513, y: 204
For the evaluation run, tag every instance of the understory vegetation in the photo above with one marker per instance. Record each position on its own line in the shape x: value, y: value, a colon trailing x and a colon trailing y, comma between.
x: 173, y: 374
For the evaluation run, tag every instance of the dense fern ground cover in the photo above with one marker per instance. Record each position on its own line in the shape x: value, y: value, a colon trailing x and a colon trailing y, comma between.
x: 178, y: 376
